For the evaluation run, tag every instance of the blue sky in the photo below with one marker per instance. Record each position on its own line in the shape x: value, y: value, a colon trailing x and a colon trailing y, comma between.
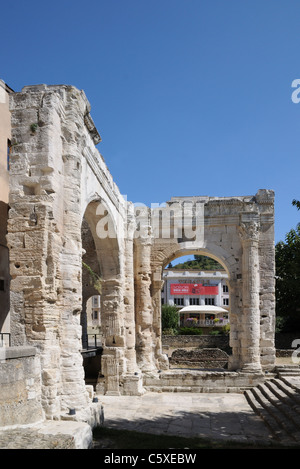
x: 191, y: 97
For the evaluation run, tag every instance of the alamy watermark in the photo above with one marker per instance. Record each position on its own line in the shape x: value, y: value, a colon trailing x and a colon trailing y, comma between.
x: 296, y: 93
x: 181, y: 220
x: 296, y: 353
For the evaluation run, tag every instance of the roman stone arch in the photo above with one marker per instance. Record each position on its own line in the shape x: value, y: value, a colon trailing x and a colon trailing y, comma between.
x: 239, y: 233
x: 57, y: 179
x: 90, y: 274
x: 58, y: 182
x: 109, y: 257
x: 176, y: 250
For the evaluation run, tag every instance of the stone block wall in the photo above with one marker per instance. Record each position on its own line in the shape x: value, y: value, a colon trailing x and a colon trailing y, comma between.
x: 20, y: 397
x: 200, y: 358
x: 194, y: 341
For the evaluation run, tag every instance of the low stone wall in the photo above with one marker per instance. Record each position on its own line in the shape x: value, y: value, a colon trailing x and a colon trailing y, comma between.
x: 201, y: 381
x: 20, y: 397
x: 197, y: 341
x: 284, y: 353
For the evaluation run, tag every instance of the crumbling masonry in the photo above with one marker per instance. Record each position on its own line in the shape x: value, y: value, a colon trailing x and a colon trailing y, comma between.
x: 61, y: 194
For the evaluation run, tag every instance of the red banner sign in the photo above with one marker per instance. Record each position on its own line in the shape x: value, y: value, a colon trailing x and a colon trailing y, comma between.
x: 192, y: 289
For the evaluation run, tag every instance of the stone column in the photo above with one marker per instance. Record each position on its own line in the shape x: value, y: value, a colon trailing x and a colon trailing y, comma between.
x: 235, y: 290
x: 250, y: 336
x: 132, y: 380
x: 143, y: 303
x: 129, y: 296
x: 157, y: 284
x: 112, y: 362
x: 73, y: 391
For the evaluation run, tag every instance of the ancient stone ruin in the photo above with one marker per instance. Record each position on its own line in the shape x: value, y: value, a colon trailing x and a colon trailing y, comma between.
x: 64, y: 208
x: 207, y: 358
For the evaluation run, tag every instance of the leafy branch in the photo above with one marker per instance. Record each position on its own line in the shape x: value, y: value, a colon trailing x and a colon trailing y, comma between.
x: 296, y: 203
x: 96, y: 280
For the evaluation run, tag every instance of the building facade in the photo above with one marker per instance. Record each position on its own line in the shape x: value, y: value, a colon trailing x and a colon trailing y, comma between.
x: 93, y: 311
x: 202, y: 297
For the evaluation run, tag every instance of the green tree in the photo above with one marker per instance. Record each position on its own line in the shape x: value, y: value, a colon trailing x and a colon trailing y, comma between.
x: 288, y: 278
x: 169, y: 317
x: 200, y: 263
x: 296, y: 203
x: 208, y: 263
x: 95, y: 279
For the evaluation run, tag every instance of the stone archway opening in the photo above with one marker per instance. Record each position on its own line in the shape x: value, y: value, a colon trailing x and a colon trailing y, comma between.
x: 91, y: 289
x: 197, y: 286
x: 91, y: 278
x: 103, y: 260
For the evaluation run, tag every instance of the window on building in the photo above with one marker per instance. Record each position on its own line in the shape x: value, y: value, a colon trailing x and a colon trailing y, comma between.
x: 225, y: 301
x: 209, y: 301
x: 194, y: 301
x: 95, y: 314
x: 95, y: 301
x: 225, y: 289
x: 2, y: 284
x: 178, y: 301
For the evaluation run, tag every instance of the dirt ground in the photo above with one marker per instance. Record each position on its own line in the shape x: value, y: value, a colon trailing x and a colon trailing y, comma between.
x: 285, y: 361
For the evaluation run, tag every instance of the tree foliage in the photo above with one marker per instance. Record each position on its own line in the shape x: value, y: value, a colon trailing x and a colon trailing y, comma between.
x: 199, y: 263
x: 296, y: 203
x: 95, y: 280
x: 169, y: 317
x: 288, y: 277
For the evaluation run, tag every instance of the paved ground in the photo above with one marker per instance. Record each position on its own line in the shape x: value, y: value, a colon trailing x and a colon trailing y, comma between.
x: 217, y: 416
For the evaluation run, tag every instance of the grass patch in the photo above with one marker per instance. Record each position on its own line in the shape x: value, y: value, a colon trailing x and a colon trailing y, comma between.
x: 124, y: 439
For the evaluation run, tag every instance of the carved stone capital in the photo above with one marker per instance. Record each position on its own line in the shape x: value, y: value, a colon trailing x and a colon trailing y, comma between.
x: 145, y: 239
x: 249, y: 231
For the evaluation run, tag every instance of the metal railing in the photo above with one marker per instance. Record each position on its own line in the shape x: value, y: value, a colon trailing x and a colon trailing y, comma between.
x: 94, y: 341
x: 206, y: 322
x: 5, y: 339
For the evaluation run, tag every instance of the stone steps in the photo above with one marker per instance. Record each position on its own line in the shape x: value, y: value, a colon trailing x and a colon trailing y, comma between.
x: 288, y: 370
x: 277, y: 402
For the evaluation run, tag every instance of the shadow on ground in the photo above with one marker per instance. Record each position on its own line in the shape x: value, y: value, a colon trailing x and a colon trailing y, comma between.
x: 183, y: 429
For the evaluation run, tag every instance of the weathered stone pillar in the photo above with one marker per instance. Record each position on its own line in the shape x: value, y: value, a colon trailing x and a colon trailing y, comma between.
x: 34, y: 234
x: 143, y: 303
x: 110, y: 370
x: 157, y: 284
x: 113, y: 360
x: 235, y: 323
x: 45, y: 239
x: 129, y: 296
x: 73, y: 390
x: 250, y: 335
